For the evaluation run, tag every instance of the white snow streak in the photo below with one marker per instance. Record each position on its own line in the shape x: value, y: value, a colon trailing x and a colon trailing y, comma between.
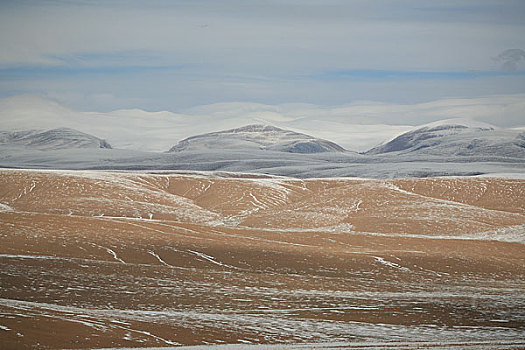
x: 158, y: 258
x: 390, y: 264
x: 169, y: 342
x: 257, y: 202
x: 211, y: 259
x: 5, y: 207
x: 112, y: 252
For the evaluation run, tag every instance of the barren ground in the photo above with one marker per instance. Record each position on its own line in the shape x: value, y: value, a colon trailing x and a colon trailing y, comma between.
x: 101, y: 259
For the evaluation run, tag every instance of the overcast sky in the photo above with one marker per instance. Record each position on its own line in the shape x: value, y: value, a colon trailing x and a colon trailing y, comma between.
x: 172, y: 55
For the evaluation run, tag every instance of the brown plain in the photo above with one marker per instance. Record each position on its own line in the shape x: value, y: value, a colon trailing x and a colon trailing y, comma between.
x: 101, y: 259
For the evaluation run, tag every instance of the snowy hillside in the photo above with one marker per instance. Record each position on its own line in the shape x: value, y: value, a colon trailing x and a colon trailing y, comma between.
x: 55, y: 139
x: 257, y: 137
x: 450, y: 138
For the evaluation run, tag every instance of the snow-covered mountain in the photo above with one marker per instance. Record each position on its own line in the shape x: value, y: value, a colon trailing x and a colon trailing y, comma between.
x: 455, y: 138
x: 451, y: 147
x: 54, y: 139
x: 257, y: 137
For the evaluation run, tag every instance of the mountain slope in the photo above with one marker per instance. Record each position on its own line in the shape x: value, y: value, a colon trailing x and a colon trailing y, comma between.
x: 54, y: 139
x: 450, y: 138
x: 257, y: 137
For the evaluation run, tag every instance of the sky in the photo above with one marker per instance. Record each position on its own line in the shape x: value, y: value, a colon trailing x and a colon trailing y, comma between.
x: 175, y: 55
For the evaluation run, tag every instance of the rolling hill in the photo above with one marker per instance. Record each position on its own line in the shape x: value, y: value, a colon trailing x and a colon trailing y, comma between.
x: 456, y: 138
x: 54, y: 139
x: 257, y: 137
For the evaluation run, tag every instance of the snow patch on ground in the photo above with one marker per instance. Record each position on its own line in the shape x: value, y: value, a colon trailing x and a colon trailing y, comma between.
x: 210, y: 259
x: 5, y: 207
x: 156, y: 256
x: 514, y: 233
x: 390, y: 264
x: 301, y: 330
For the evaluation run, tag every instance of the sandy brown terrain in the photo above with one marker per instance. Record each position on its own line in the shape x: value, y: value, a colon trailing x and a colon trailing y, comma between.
x: 101, y: 259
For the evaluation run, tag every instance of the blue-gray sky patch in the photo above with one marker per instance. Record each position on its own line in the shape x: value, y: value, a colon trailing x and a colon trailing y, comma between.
x: 175, y: 54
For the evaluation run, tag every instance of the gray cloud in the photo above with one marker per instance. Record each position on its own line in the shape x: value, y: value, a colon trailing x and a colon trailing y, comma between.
x: 162, y: 54
x: 276, y: 35
x: 510, y: 59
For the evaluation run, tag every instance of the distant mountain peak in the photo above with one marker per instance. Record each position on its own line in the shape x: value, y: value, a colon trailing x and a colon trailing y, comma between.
x: 454, y: 137
x: 257, y: 128
x: 258, y: 136
x: 54, y: 139
x: 456, y: 123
